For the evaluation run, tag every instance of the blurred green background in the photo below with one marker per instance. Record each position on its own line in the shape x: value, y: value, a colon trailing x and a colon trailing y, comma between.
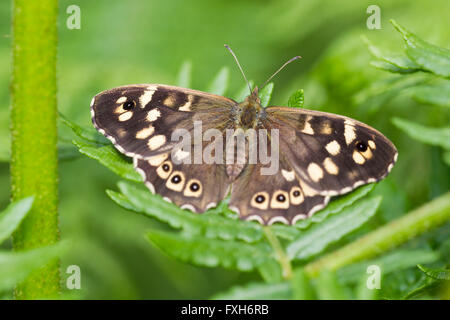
x: 125, y: 42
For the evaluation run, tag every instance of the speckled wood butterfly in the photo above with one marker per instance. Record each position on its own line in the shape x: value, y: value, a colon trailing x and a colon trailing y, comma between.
x: 319, y: 154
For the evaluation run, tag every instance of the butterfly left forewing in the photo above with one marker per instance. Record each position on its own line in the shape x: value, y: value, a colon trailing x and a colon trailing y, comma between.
x: 140, y: 119
x: 332, y: 154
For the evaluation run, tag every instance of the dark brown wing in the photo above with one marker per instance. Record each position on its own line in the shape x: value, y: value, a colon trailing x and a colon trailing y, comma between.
x: 140, y: 119
x: 332, y: 154
x: 196, y: 187
x: 281, y: 197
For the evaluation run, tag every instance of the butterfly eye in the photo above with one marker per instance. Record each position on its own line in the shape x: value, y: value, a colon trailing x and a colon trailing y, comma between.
x: 128, y: 105
x: 361, y: 146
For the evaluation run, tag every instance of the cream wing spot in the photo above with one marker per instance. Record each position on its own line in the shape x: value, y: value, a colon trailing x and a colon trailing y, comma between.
x: 330, y: 166
x: 164, y: 170
x: 121, y: 100
x: 333, y: 148
x: 372, y: 144
x: 119, y: 109
x: 176, y: 181
x: 153, y: 115
x: 367, y: 154
x: 260, y: 200
x: 146, y: 97
x: 296, y: 195
x: 307, y: 190
x: 187, y: 105
x: 325, y: 128
x: 307, y: 128
x: 157, y: 160
x: 288, y: 175
x: 156, y: 141
x: 125, y: 116
x: 280, y: 200
x: 193, y: 188
x: 121, y: 132
x: 145, y: 133
x: 358, y: 158
x: 169, y: 101
x: 315, y: 171
x: 349, y: 132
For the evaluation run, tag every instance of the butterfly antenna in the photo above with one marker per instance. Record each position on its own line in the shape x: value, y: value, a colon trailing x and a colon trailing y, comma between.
x: 240, y: 68
x: 281, y: 68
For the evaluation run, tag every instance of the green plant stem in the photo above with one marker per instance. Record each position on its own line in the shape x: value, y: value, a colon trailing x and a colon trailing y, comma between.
x: 34, y: 136
x: 282, y: 257
x: 395, y: 233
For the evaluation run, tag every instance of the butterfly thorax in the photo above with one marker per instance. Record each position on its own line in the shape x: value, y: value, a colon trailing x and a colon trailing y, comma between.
x: 249, y: 111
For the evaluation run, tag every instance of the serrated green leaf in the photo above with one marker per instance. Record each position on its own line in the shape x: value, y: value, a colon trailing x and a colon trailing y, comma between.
x: 427, y: 135
x: 121, y: 200
x: 244, y: 92
x: 219, y: 85
x: 67, y: 152
x: 423, y: 286
x: 12, y: 216
x: 207, y: 224
x: 386, y: 66
x: 211, y: 252
x: 16, y: 266
x: 110, y: 158
x: 335, y: 206
x: 437, y: 274
x: 437, y: 94
x: 301, y: 286
x: 266, y: 94
x: 328, y: 287
x: 424, y: 54
x: 395, y: 261
x: 184, y: 75
x: 316, y: 239
x: 297, y: 99
x: 87, y: 134
x: 393, y: 63
x: 257, y: 291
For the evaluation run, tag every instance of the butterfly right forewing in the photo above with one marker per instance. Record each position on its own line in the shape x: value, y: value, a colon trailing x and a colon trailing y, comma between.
x: 332, y: 154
